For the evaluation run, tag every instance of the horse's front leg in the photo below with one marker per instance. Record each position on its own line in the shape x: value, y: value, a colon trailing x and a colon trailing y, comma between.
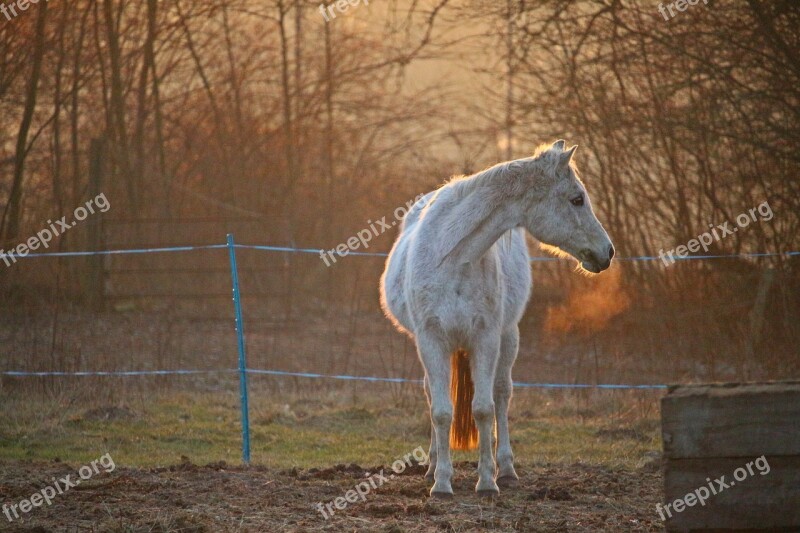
x: 483, y: 362
x: 503, y: 387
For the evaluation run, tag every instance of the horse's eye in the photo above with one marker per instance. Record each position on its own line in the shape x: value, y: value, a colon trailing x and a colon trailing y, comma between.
x: 577, y: 201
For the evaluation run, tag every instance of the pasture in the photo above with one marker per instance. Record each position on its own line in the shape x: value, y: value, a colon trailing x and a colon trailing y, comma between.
x: 585, y: 463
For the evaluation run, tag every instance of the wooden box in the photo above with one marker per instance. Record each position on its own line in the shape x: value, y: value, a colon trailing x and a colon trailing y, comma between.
x: 750, y: 434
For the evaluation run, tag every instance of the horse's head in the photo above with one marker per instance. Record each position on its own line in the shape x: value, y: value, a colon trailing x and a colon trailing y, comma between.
x: 558, y: 211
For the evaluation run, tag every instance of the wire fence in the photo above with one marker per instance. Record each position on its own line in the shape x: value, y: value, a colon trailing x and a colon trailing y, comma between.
x: 243, y: 370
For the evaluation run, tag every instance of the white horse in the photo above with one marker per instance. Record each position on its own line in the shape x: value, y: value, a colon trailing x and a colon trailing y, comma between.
x: 458, y: 280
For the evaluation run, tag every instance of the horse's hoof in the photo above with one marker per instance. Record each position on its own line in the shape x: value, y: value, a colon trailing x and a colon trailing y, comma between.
x: 508, y: 482
x: 490, y: 494
x: 442, y: 495
x: 487, y: 488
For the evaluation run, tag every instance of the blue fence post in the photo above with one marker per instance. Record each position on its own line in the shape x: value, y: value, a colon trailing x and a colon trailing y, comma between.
x: 237, y: 305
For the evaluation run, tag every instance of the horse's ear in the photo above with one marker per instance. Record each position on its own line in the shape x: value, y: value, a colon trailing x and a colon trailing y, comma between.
x: 560, y: 145
x: 566, y: 157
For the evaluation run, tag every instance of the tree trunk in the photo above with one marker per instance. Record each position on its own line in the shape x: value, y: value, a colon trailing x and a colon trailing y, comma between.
x: 10, y: 224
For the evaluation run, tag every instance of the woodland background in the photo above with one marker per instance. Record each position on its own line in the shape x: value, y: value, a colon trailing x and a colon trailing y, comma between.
x: 258, y: 118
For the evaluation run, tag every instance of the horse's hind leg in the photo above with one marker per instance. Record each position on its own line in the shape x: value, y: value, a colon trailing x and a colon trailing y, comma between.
x: 432, y: 449
x: 509, y: 345
x: 435, y: 356
x: 483, y: 362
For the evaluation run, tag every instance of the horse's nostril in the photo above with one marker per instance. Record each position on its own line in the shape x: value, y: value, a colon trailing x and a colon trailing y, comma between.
x: 610, y: 252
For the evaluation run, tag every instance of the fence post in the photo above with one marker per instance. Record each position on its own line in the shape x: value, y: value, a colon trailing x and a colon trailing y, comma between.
x: 237, y: 305
x: 95, y: 276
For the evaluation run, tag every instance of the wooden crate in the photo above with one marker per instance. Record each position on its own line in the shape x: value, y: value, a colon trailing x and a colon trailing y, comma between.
x: 716, y: 430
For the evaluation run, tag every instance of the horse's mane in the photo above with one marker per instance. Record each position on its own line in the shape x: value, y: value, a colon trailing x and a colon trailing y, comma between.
x: 463, y: 185
x: 545, y: 157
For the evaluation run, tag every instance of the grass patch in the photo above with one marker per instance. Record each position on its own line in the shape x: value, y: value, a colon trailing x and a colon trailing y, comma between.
x: 285, y: 433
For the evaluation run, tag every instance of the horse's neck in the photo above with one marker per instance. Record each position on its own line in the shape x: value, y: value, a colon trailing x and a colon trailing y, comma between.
x: 478, y: 219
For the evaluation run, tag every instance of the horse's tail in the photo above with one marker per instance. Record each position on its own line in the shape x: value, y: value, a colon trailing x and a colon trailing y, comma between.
x: 463, y: 432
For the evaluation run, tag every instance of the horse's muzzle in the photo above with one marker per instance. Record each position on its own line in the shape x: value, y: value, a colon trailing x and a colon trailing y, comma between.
x: 591, y: 262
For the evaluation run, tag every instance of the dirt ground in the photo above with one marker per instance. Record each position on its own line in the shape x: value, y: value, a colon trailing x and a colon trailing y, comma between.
x: 218, y: 497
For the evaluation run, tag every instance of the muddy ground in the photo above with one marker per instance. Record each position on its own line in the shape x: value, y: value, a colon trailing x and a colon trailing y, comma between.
x: 220, y: 497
